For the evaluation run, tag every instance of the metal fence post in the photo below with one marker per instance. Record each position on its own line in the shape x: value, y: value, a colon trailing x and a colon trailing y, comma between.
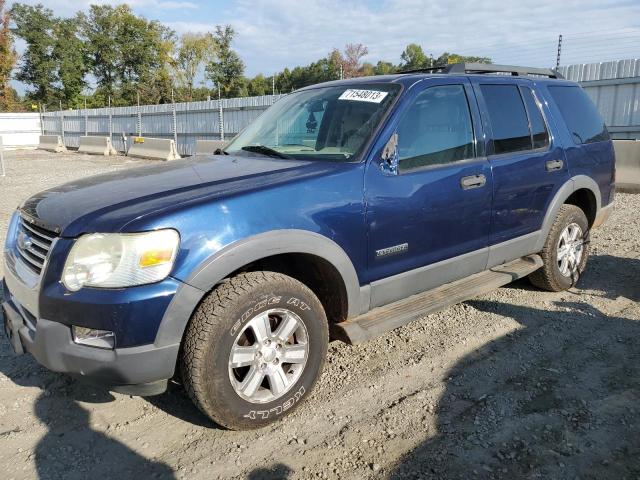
x: 220, y: 115
x: 41, y: 115
x: 139, y: 118
x: 111, y: 122
x: 175, y: 120
x: 61, y: 123
x: 2, y: 170
x: 86, y: 119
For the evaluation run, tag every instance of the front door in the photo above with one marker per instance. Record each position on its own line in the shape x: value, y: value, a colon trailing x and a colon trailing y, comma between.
x: 429, y: 221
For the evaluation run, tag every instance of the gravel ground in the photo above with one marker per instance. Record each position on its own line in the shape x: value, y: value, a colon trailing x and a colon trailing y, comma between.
x: 518, y: 383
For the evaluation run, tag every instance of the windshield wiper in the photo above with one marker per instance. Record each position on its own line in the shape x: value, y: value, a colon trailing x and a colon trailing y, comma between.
x: 261, y: 149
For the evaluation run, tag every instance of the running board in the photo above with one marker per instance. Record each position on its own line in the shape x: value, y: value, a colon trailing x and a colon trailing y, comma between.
x: 383, y: 319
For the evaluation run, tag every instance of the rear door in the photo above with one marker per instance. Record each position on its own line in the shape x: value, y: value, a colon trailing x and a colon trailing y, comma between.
x: 527, y: 162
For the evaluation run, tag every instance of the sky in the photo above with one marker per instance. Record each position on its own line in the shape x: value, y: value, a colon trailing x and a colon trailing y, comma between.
x: 273, y: 34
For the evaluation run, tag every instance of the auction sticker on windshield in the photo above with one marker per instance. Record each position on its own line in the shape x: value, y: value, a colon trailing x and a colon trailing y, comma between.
x: 373, y: 96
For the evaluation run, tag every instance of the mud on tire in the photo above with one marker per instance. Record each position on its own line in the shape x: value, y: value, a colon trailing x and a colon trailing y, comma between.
x: 223, y: 322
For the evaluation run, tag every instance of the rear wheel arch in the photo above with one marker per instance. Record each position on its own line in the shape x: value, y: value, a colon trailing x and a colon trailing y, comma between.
x: 567, y: 194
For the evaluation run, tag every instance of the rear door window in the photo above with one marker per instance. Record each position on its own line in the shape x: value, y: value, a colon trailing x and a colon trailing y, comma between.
x: 580, y: 114
x: 539, y: 133
x: 509, y: 122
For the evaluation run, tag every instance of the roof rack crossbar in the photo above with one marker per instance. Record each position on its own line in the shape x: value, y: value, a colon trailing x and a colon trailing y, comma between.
x: 488, y: 68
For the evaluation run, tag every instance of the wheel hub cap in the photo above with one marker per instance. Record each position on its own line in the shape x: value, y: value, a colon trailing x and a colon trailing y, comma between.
x: 268, y: 356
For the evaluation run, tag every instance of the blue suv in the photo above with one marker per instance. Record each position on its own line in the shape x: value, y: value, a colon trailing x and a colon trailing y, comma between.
x: 345, y: 210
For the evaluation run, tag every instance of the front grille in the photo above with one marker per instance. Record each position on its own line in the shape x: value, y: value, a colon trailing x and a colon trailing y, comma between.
x: 33, y: 244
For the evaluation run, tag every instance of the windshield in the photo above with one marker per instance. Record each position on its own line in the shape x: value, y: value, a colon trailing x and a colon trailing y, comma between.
x: 330, y: 123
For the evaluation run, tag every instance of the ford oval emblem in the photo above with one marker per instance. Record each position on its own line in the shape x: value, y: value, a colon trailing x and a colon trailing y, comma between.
x: 24, y: 241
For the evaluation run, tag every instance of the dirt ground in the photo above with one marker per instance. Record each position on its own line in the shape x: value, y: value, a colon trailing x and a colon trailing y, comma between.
x: 518, y: 383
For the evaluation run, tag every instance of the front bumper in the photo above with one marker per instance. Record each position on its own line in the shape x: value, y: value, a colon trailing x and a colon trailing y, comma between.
x: 142, y: 370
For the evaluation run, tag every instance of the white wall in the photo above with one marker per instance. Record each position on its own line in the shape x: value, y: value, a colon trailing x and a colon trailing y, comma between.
x: 20, y: 130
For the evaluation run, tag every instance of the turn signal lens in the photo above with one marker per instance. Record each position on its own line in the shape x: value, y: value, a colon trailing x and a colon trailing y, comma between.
x: 151, y: 258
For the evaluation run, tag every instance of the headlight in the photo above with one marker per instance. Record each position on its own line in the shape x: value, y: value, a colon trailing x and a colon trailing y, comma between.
x: 113, y: 260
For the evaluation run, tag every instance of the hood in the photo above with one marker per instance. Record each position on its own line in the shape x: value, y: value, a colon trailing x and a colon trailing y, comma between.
x: 77, y: 207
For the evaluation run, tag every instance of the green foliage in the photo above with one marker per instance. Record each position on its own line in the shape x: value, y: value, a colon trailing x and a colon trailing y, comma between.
x: 35, y: 25
x: 69, y: 55
x: 384, y: 68
x: 7, y: 61
x: 194, y: 51
x: 448, y: 58
x: 226, y: 70
x: 128, y: 55
x: 413, y: 57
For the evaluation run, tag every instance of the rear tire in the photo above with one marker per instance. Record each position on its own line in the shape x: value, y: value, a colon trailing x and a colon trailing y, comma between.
x: 565, y: 251
x: 254, y: 349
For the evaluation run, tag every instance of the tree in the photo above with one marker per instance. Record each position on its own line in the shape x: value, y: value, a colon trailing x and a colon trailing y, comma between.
x: 259, y: 85
x: 194, y: 51
x: 448, y: 58
x: 128, y: 55
x: 384, y: 68
x: 98, y: 30
x: 7, y: 60
x: 227, y: 69
x: 35, y: 25
x: 413, y: 57
x: 353, y: 54
x: 69, y: 55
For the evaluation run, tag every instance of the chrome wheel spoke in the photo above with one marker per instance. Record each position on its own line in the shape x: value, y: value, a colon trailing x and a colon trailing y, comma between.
x: 564, y: 265
x: 575, y: 232
x: 251, y: 382
x: 261, y: 327
x: 294, y: 353
x: 242, y: 356
x: 278, y: 380
x: 286, y: 328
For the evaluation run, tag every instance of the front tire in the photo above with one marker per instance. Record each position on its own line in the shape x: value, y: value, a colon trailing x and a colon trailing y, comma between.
x: 254, y: 349
x: 565, y: 251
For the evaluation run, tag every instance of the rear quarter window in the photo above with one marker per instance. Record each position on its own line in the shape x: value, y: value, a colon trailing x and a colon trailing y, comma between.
x: 580, y: 114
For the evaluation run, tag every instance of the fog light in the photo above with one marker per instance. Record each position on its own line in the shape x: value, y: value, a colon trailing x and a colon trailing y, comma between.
x: 93, y: 337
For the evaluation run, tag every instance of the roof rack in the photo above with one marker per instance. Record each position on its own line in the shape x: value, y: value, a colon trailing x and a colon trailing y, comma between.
x: 488, y: 68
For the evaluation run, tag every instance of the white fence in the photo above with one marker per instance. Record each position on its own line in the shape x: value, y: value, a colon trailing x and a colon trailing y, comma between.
x: 20, y: 130
x: 183, y: 122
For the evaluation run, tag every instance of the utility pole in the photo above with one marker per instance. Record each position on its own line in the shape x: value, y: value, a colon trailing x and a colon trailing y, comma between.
x: 559, y: 51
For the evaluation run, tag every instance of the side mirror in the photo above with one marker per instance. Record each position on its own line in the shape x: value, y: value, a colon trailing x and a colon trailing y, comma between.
x: 390, y: 156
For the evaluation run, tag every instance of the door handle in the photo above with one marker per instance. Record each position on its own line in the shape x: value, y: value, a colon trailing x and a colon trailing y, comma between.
x: 553, y: 165
x: 473, y: 181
